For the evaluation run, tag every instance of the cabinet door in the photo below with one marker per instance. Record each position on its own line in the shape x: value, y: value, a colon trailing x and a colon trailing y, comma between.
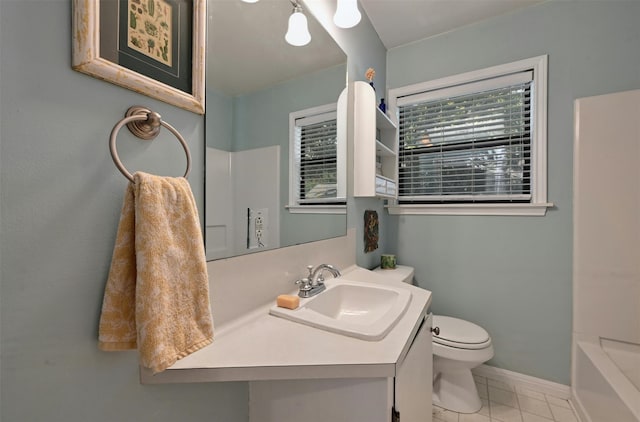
x: 321, y: 400
x: 413, y: 384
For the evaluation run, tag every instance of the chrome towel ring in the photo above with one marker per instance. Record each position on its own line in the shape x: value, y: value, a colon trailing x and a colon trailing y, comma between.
x: 145, y: 124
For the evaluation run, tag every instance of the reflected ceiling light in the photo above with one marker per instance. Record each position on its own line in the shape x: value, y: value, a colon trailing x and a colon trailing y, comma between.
x: 298, y: 31
x: 347, y: 14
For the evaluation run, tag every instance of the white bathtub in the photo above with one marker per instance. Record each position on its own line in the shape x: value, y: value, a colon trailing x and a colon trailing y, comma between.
x: 603, y: 390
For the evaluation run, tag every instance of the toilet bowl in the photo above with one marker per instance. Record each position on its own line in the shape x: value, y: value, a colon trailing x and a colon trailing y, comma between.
x: 458, y: 347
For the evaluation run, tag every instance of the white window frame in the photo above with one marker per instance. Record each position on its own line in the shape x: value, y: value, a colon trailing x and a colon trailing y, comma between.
x: 294, y: 206
x: 538, y: 205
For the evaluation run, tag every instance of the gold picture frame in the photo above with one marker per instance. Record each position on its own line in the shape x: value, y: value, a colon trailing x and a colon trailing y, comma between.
x: 86, y: 58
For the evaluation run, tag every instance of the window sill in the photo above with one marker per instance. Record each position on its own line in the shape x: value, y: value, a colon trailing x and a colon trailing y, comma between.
x: 531, y: 210
x: 317, y: 209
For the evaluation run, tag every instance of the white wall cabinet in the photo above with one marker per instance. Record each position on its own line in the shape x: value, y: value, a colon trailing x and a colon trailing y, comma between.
x: 353, y: 399
x: 375, y: 147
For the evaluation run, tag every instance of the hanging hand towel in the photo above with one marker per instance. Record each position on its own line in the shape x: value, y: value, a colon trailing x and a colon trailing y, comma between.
x: 157, y: 295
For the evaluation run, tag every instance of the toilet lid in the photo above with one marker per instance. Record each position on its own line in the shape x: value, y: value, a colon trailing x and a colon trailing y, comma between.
x: 459, y: 333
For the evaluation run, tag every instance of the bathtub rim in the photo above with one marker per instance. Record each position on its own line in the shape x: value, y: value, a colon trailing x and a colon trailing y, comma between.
x: 621, y: 385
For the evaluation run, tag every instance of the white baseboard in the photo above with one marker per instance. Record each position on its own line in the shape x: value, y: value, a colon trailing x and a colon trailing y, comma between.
x: 516, y: 379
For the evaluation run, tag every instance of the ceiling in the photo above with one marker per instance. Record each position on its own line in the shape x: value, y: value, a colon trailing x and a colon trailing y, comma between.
x: 244, y: 57
x: 399, y: 22
x: 246, y: 50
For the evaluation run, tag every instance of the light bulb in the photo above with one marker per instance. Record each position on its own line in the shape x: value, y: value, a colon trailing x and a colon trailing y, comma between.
x: 347, y: 14
x: 298, y: 31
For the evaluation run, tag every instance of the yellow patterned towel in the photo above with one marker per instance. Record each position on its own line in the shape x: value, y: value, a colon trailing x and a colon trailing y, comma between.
x: 157, y: 295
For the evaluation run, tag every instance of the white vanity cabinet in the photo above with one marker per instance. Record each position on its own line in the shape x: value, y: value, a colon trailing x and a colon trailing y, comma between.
x: 375, y: 147
x: 298, y: 373
x: 414, y: 378
x: 407, y: 394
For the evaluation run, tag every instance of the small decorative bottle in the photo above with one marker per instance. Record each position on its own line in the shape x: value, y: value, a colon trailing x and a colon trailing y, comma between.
x: 382, y: 106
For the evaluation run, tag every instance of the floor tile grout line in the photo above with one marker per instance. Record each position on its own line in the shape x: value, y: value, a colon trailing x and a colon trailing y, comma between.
x: 519, y: 396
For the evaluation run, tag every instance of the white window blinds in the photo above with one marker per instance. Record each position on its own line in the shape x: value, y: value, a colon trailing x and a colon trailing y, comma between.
x: 316, y: 160
x: 467, y: 143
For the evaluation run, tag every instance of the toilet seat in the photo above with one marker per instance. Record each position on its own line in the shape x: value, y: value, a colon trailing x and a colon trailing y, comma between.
x: 461, y: 334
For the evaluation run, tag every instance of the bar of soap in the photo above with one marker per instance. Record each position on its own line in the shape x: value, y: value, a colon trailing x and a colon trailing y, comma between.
x: 288, y: 301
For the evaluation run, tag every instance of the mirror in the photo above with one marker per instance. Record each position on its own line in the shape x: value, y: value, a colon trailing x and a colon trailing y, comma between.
x: 154, y: 47
x: 254, y: 81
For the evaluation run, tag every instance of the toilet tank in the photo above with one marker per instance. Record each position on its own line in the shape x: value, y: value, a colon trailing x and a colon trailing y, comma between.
x: 402, y: 273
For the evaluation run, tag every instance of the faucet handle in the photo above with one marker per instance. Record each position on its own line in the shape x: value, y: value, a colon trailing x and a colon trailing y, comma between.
x: 305, y: 284
x: 310, y: 269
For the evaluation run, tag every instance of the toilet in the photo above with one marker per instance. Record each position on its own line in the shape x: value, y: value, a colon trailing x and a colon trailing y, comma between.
x: 458, y: 347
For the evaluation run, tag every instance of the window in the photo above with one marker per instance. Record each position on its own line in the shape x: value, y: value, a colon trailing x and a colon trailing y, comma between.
x: 317, y: 162
x: 474, y: 143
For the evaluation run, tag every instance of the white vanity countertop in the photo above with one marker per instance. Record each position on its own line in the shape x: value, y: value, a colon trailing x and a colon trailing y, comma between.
x: 260, y: 346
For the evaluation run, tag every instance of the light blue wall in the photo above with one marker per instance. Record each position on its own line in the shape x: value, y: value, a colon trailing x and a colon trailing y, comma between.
x: 261, y: 119
x: 60, y: 202
x: 512, y: 275
x: 219, y: 120
x: 364, y: 50
x: 61, y: 196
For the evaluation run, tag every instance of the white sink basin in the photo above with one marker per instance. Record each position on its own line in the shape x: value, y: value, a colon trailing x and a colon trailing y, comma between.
x: 363, y: 310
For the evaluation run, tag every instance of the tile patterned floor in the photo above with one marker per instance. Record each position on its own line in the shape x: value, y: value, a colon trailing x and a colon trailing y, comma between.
x: 505, y: 403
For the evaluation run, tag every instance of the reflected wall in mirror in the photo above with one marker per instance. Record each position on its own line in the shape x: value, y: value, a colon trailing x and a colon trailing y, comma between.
x: 259, y: 92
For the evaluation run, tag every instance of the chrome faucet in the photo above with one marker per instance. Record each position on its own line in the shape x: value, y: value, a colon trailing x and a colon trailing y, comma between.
x: 314, y: 282
x: 316, y: 274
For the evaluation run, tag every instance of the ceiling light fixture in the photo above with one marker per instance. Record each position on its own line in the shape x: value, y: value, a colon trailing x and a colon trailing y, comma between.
x: 347, y: 14
x: 298, y: 30
x: 250, y: 1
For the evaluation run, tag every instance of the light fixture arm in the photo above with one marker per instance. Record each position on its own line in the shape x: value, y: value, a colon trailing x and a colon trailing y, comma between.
x: 296, y: 6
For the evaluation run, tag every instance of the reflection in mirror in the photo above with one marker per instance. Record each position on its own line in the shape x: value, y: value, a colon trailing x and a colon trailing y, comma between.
x: 271, y: 107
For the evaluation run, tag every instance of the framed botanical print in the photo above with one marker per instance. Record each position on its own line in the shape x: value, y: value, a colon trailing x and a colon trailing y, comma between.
x: 155, y: 47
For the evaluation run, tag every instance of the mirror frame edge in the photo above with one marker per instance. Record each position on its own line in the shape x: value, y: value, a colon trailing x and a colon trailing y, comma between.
x: 86, y: 58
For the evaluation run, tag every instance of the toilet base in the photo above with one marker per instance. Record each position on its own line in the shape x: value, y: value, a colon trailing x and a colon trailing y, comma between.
x: 456, y: 390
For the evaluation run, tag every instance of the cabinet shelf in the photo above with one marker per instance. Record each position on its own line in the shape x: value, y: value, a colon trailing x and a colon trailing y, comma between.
x: 375, y: 147
x: 383, y: 150
x: 383, y: 121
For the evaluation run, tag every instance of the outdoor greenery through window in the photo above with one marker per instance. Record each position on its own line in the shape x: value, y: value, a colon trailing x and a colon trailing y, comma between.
x: 315, y: 159
x: 468, y: 143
